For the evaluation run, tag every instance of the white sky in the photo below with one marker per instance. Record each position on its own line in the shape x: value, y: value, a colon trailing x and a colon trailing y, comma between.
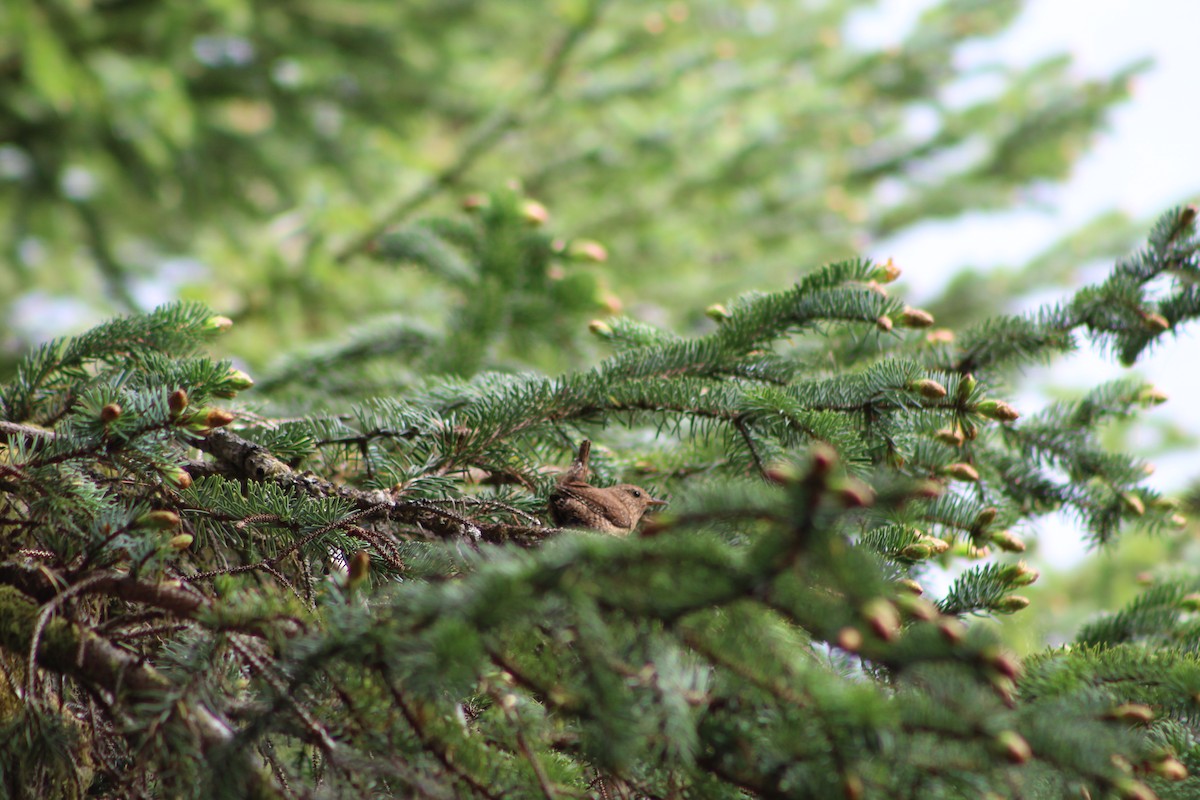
x: 1145, y: 163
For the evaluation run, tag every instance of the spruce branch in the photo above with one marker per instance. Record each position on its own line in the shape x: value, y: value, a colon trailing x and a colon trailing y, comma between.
x: 245, y: 460
x: 1115, y: 314
x: 432, y: 744
x: 266, y: 671
x: 50, y: 588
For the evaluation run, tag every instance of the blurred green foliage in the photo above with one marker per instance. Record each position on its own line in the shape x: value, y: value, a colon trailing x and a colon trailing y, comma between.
x: 248, y: 153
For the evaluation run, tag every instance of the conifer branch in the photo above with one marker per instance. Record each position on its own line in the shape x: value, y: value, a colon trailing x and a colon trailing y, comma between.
x: 437, y: 748
x: 543, y: 780
x: 264, y: 669
x: 1115, y: 313
x: 249, y: 461
x: 45, y: 586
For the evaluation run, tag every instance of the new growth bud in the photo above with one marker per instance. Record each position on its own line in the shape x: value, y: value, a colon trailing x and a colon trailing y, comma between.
x: 928, y: 490
x: 217, y: 324
x: 1156, y: 322
x: 360, y: 567
x: 883, y: 618
x: 158, y: 520
x: 952, y: 630
x: 985, y: 517
x: 929, y: 389
x: 917, y: 551
x: 1004, y: 663
x: 849, y: 639
x: 998, y: 410
x: 717, y: 313
x: 824, y: 457
x: 213, y: 418
x: 961, y: 472
x: 177, y: 401
x: 1190, y: 601
x: 1130, y: 789
x: 110, y: 413
x: 949, y: 437
x: 966, y: 387
x: 782, y: 473
x: 1013, y: 746
x: 938, y: 546
x: 855, y: 493
x: 1137, y: 713
x: 601, y: 329
x: 1007, y: 542
x: 237, y: 380
x: 1019, y: 574
x: 1171, y: 769
x: 473, y: 202
x: 178, y: 477
x: 940, y: 336
x: 917, y: 607
x: 884, y: 323
x: 534, y: 213
x: 1010, y: 604
x: 588, y: 250
x: 1134, y: 503
x: 181, y: 541
x: 915, y: 317
x: 885, y: 272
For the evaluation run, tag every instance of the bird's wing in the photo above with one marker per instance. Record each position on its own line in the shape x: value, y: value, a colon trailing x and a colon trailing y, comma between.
x: 613, y: 512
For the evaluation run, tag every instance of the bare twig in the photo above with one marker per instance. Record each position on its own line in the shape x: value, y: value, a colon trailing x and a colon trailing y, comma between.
x: 742, y: 428
x: 39, y: 626
x: 28, y: 432
x: 544, y: 783
x: 285, y: 695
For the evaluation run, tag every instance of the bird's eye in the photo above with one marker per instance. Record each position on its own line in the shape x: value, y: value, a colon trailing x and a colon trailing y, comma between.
x: 635, y: 493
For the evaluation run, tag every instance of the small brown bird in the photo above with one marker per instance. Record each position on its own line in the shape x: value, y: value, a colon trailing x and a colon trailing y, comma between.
x: 616, y: 510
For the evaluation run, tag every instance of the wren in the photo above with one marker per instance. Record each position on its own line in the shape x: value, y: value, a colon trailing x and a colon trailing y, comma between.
x: 614, y: 510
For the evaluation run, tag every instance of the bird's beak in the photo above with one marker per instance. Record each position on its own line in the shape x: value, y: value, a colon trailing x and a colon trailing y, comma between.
x: 653, y: 502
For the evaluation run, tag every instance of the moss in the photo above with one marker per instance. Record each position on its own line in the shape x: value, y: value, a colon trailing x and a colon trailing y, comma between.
x: 47, y: 753
x: 18, y: 616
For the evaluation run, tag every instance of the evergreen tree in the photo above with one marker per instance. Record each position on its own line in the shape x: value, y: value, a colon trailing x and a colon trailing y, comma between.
x: 348, y: 579
x: 339, y: 591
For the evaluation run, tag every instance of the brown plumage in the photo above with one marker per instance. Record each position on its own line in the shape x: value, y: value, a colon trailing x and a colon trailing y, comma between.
x: 615, y: 510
